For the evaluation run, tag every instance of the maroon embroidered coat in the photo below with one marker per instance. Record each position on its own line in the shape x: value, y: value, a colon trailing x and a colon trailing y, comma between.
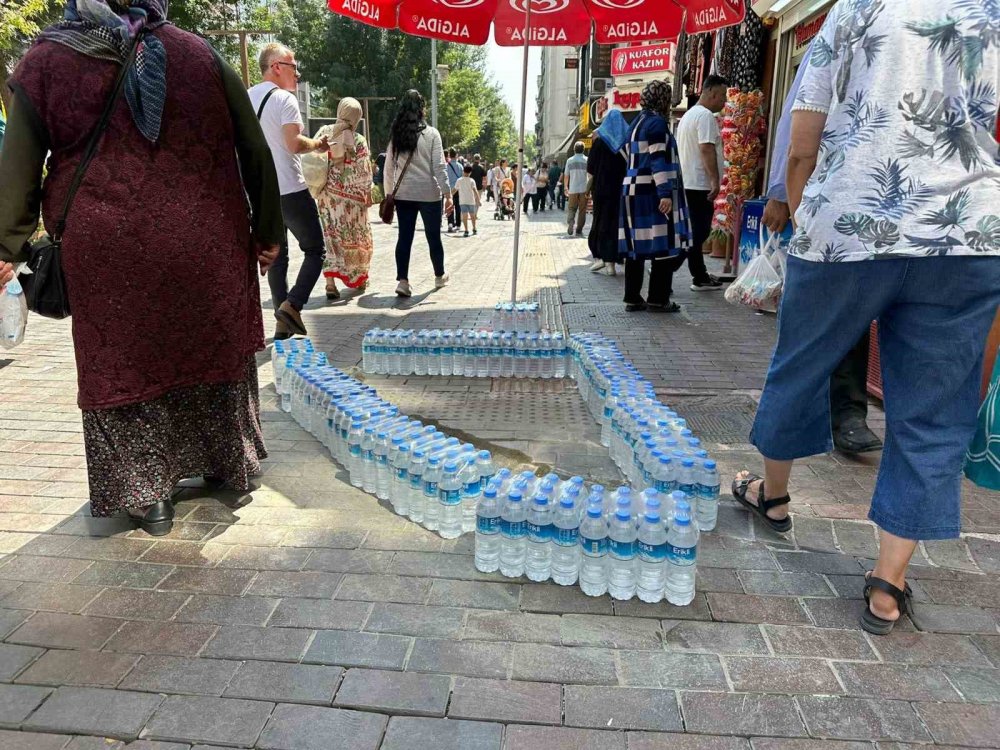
x: 157, y: 252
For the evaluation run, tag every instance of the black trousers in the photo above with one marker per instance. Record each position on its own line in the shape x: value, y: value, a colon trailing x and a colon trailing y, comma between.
x: 406, y: 213
x: 540, y: 195
x: 302, y: 219
x: 531, y: 198
x: 661, y: 275
x: 849, y: 386
x: 700, y: 210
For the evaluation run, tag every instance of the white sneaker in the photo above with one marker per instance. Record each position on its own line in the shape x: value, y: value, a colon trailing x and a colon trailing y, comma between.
x: 598, y: 266
x: 440, y: 281
x: 403, y: 289
x: 612, y: 269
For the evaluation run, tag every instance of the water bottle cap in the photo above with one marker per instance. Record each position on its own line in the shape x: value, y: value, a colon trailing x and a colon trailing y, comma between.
x: 625, y: 491
x: 381, y: 435
x: 434, y: 460
x: 504, y: 472
x: 710, y: 464
x: 404, y: 448
x: 419, y: 454
x: 622, y: 514
x: 567, y: 502
x: 484, y: 455
x: 451, y: 466
x: 577, y: 481
x: 597, y: 488
x: 682, y: 519
x: 514, y: 496
x: 369, y: 430
x: 490, y: 491
x: 356, y: 423
x: 687, y: 463
x: 594, y: 511
x: 682, y: 506
x: 652, y: 517
x: 542, y: 498
x: 678, y: 497
x: 528, y: 474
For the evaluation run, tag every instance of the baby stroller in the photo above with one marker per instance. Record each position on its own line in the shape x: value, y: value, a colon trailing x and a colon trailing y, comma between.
x: 505, y: 206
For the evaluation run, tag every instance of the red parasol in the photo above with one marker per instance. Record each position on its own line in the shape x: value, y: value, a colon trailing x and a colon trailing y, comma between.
x: 535, y: 23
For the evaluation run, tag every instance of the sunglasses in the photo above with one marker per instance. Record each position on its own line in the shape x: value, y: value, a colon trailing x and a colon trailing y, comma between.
x: 291, y: 65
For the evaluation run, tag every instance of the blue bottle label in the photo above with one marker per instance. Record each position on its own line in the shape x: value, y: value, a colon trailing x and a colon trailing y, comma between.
x: 539, y: 532
x: 688, y: 488
x: 621, y: 550
x: 368, y: 455
x: 450, y: 497
x: 514, y: 529
x: 473, y: 489
x: 594, y: 547
x: 709, y: 491
x: 664, y: 486
x: 608, y: 411
x: 401, y: 475
x: 356, y: 449
x: 382, y: 459
x: 415, y: 482
x: 566, y: 537
x: 682, y: 555
x: 653, y: 552
x: 431, y: 489
x: 489, y: 525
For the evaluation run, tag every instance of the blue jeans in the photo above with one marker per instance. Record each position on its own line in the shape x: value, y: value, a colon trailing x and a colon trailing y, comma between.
x: 302, y: 218
x: 934, y: 315
x: 431, y: 213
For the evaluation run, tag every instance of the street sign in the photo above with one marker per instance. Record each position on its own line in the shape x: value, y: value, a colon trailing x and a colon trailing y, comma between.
x: 647, y: 58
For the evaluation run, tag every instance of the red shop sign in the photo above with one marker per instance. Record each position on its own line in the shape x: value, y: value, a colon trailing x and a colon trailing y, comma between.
x: 648, y: 58
x: 629, y: 102
x: 711, y: 15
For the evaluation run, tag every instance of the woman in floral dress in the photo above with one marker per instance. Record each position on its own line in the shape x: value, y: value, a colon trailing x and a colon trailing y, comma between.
x: 344, y: 202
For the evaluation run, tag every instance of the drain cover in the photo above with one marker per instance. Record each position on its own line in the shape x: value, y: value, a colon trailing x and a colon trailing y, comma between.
x: 718, y: 419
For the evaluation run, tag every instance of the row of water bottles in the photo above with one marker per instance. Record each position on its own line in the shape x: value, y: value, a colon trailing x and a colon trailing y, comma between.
x: 521, y: 317
x: 623, y: 543
x: 468, y: 353
x: 424, y: 474
x: 649, y: 442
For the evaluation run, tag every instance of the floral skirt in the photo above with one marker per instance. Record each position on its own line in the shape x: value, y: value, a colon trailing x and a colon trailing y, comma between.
x: 348, y: 237
x: 136, y: 454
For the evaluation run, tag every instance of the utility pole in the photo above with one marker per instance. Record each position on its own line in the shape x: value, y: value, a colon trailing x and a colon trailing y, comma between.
x: 244, y: 52
x: 434, y: 83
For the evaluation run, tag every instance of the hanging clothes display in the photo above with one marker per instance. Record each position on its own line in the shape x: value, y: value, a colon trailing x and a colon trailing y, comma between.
x: 748, y: 61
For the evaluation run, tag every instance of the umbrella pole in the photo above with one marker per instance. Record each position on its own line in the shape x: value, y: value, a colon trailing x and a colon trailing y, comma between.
x: 518, y: 188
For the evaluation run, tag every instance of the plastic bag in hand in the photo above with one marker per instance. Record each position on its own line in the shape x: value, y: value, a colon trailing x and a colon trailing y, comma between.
x: 13, y: 315
x: 758, y: 286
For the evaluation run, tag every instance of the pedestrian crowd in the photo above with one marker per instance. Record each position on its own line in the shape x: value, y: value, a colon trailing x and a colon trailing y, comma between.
x: 166, y: 187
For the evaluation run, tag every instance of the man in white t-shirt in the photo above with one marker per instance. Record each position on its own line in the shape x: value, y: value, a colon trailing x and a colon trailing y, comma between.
x: 575, y: 181
x: 277, y: 108
x: 699, y: 144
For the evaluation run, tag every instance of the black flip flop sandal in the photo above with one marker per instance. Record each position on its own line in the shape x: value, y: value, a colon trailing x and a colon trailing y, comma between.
x: 869, y: 620
x: 740, y: 487
x: 670, y: 307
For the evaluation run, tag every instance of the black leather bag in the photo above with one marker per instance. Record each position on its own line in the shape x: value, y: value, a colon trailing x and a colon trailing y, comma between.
x: 387, y: 208
x: 45, y: 287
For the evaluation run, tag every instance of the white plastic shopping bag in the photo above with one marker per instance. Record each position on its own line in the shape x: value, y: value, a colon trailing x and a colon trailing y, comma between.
x: 759, y: 284
x: 13, y: 314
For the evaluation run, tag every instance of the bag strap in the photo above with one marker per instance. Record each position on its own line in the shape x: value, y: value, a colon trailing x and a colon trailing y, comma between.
x: 95, y: 136
x: 403, y: 173
x: 260, y: 109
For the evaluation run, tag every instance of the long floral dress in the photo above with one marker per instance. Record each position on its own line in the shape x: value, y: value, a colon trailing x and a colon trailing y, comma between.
x: 343, y: 210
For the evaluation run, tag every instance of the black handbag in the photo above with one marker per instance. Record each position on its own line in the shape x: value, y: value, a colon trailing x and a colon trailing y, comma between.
x: 45, y: 287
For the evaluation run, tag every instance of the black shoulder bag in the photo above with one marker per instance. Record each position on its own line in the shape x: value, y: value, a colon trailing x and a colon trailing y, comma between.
x: 45, y: 287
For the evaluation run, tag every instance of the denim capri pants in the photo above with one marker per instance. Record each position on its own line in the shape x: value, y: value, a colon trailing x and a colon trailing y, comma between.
x: 934, y: 315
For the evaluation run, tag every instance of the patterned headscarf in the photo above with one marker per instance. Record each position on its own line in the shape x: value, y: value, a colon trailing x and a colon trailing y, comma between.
x: 105, y: 29
x: 342, y: 143
x: 657, y: 96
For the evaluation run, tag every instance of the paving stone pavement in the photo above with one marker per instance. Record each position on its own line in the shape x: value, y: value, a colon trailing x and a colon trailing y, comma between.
x: 306, y: 615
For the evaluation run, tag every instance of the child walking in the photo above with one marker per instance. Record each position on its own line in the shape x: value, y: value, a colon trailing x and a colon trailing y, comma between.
x: 469, y: 199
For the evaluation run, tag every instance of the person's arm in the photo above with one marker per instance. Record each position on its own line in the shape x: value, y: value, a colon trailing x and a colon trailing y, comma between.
x: 256, y: 163
x: 439, y: 168
x: 292, y: 127
x: 22, y: 159
x: 664, y: 173
x: 708, y: 139
x: 389, y: 171
x: 807, y: 134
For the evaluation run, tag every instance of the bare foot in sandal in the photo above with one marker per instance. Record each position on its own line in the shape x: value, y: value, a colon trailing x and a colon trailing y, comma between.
x: 778, y: 513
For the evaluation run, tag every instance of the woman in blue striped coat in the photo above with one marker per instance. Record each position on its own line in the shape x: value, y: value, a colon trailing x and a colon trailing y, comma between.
x: 654, y: 216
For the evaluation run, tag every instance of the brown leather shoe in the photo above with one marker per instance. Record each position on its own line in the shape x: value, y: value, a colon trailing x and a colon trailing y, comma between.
x: 291, y: 318
x: 281, y: 331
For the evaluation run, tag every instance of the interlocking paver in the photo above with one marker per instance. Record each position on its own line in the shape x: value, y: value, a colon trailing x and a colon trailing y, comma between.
x: 227, y: 610
x: 86, y: 668
x: 741, y: 714
x: 173, y: 638
x: 53, y: 597
x: 32, y: 740
x: 56, y: 630
x: 782, y: 675
x: 285, y: 683
x: 715, y: 637
x: 672, y: 670
x: 18, y: 701
x: 977, y: 684
x: 394, y: 692
x: 375, y: 650
x: 253, y: 642
x: 462, y: 658
x: 861, y: 719
x: 622, y: 708
x: 474, y: 594
x: 958, y: 724
x: 756, y: 609
x: 15, y: 658
x: 833, y: 644
x: 82, y: 710
x: 902, y: 681
x: 537, y: 662
x: 929, y: 648
x: 129, y: 574
x: 178, y: 674
x: 506, y: 701
x: 384, y: 588
x: 561, y: 738
x: 405, y: 733
x: 294, y: 727
x: 518, y: 627
x: 133, y: 604
x: 610, y: 632
x: 208, y: 581
x: 225, y: 721
x: 670, y: 741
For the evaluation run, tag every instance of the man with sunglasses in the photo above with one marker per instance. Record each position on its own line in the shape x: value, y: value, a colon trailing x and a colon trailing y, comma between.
x: 277, y: 108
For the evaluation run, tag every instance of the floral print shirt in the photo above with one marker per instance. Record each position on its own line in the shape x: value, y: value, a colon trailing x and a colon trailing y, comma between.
x: 909, y: 164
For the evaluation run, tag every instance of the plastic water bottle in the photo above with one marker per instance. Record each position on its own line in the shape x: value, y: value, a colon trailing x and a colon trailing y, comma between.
x: 682, y: 554
x: 664, y: 476
x: 559, y: 355
x: 472, y: 489
x: 433, y: 353
x: 368, y: 465
x: 488, y: 521
x: 538, y: 565
x: 399, y: 493
x: 432, y: 506
x: 354, y: 438
x: 446, y: 353
x: 13, y: 314
x: 415, y: 474
x: 652, y: 558
x: 450, y: 496
x: 393, y: 356
x: 594, y: 551
x: 367, y: 359
x: 621, y: 553
x: 469, y: 366
x: 482, y: 355
x: 707, y: 508
x: 566, y: 540
x: 382, y: 445
x: 458, y: 353
x: 687, y: 478
x: 513, y: 535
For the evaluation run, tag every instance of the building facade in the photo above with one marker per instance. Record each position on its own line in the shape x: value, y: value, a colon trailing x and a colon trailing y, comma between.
x: 558, y: 99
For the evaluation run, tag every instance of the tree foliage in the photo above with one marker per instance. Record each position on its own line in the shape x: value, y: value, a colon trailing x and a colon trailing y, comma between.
x: 20, y: 21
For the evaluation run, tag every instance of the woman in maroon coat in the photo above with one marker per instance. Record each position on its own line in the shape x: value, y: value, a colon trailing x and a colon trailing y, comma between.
x: 160, y: 250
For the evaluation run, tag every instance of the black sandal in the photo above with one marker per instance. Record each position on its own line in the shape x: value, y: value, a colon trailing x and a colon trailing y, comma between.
x: 670, y: 307
x: 740, y: 487
x: 872, y: 622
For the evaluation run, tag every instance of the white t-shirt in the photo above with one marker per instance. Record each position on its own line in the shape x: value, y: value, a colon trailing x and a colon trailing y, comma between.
x: 468, y: 193
x: 528, y: 184
x: 576, y: 168
x: 698, y: 126
x: 281, y: 109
